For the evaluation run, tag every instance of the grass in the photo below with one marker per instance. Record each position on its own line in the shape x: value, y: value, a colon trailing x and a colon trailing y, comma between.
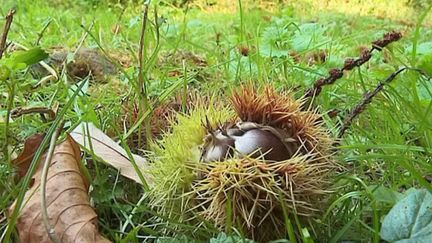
x: 202, y: 47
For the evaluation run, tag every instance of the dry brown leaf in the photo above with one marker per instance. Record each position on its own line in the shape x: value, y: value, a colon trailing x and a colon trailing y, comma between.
x: 24, y: 159
x: 69, y: 209
x: 109, y: 151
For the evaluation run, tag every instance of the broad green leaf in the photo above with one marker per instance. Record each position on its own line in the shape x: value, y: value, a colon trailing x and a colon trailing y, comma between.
x: 381, y: 71
x: 424, y: 89
x: 385, y: 195
x: 134, y: 21
x: 276, y: 39
x: 426, y: 63
x: 424, y: 48
x: 182, y: 239
x: 410, y: 220
x: 29, y: 57
x: 220, y: 238
x: 224, y: 238
x: 309, y: 35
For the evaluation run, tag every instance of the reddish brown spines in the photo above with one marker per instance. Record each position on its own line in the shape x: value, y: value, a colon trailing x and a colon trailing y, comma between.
x: 265, y: 107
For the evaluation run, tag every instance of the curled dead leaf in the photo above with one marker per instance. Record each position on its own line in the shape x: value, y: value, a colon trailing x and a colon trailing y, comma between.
x: 69, y: 209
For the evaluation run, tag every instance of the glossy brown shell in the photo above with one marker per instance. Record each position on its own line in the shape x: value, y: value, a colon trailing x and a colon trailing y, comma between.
x: 247, y: 139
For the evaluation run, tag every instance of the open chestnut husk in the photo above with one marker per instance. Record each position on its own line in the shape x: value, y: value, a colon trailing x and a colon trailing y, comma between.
x: 262, y: 155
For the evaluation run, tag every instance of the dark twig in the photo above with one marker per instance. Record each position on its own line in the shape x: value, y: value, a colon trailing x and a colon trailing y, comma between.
x: 11, y: 87
x: 371, y: 94
x: 9, y: 19
x: 367, y: 100
x: 350, y: 63
x: 20, y: 111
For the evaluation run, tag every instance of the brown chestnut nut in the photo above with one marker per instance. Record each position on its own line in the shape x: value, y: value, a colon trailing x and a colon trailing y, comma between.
x: 247, y: 139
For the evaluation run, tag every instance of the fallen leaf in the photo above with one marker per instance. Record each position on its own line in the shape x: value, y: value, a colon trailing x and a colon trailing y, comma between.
x: 24, y: 159
x: 109, y: 151
x: 69, y: 209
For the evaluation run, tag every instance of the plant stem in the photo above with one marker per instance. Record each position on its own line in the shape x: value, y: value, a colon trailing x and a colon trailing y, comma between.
x: 41, y: 33
x: 11, y: 86
x: 11, y: 96
x: 144, y: 104
x: 417, y: 34
x: 50, y: 230
x: 367, y: 100
x: 20, y: 111
x: 241, y: 21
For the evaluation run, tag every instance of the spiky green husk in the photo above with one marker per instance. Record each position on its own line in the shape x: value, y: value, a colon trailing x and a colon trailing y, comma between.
x: 257, y: 190
x: 176, y: 157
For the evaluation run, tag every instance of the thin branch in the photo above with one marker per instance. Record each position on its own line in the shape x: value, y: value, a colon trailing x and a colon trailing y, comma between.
x: 20, y: 111
x: 366, y: 100
x: 371, y: 94
x: 350, y: 63
x: 50, y: 230
x: 9, y: 19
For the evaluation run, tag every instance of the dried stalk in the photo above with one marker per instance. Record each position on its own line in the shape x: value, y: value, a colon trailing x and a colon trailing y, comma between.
x: 366, y: 100
x: 9, y: 19
x: 20, y: 111
x: 350, y: 63
x: 11, y: 87
x: 368, y: 97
